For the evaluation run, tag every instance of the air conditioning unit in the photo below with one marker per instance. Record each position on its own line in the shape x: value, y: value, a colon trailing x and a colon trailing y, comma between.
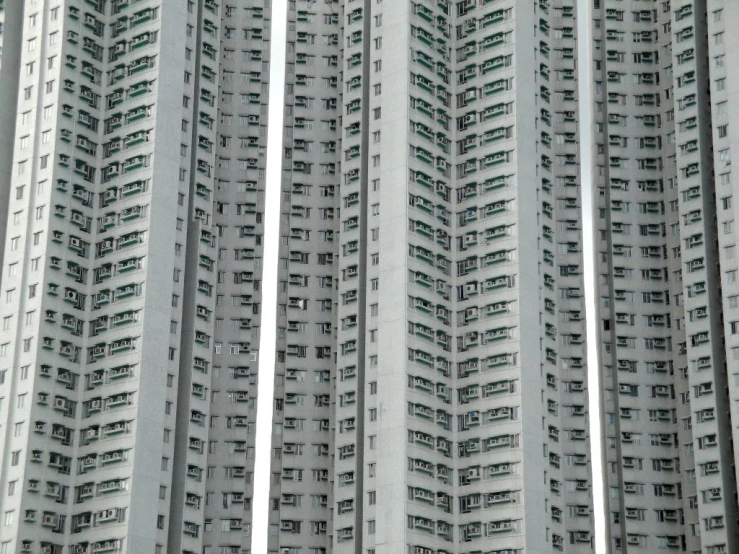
x: 471, y: 312
x: 107, y: 515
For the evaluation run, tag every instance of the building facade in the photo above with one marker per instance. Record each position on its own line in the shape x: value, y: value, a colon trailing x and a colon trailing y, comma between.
x: 430, y: 386
x: 664, y: 85
x: 133, y: 160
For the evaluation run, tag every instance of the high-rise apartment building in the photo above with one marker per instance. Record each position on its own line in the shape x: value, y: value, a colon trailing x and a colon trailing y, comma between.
x: 665, y: 95
x: 431, y: 384
x: 132, y: 156
x: 430, y: 388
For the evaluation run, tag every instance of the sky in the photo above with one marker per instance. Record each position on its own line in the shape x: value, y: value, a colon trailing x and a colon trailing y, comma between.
x: 265, y: 392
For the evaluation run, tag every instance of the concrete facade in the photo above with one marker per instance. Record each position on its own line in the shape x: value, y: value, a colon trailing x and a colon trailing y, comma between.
x: 134, y: 143
x: 665, y: 92
x: 430, y: 388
